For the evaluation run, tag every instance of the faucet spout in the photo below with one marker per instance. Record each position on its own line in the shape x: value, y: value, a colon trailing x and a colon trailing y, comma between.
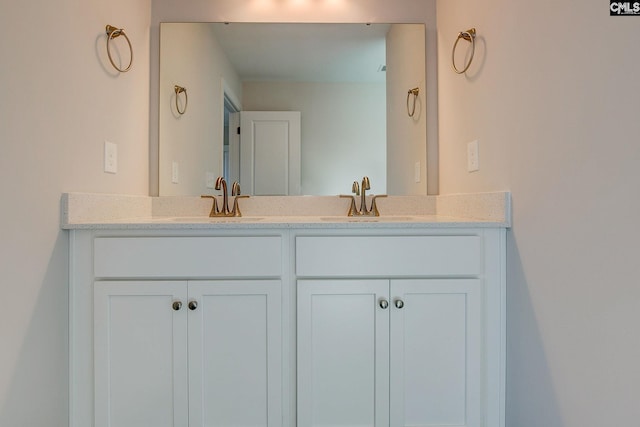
x: 366, y: 185
x: 221, y: 184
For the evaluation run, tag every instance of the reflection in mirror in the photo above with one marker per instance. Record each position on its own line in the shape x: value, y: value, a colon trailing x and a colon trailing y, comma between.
x: 348, y: 82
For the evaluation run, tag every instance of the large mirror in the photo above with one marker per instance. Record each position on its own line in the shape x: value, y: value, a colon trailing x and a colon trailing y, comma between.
x: 350, y: 85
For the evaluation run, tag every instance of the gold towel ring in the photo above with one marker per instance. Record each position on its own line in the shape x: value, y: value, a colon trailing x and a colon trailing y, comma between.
x: 112, y: 33
x: 415, y: 91
x: 179, y: 90
x: 470, y: 36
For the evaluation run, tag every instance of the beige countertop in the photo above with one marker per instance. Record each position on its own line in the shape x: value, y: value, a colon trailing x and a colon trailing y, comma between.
x: 101, y: 211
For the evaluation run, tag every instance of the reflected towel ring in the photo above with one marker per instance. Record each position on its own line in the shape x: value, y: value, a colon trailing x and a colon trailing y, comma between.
x: 470, y: 36
x: 179, y: 90
x: 112, y: 33
x: 415, y: 91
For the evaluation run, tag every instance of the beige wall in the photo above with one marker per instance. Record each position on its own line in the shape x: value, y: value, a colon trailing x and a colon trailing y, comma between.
x: 192, y: 58
x: 553, y: 98
x: 61, y: 100
x: 343, y: 130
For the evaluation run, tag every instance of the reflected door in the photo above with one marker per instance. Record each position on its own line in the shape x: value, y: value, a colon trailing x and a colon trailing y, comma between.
x: 270, y: 153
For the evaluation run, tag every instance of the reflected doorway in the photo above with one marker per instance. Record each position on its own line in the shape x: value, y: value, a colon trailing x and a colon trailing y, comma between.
x: 231, y: 140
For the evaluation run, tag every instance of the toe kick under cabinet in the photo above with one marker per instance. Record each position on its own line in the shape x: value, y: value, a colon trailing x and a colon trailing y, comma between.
x: 287, y: 327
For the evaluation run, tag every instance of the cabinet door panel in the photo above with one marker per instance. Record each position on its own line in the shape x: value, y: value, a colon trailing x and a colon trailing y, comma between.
x: 235, y: 372
x: 140, y: 354
x: 435, y: 353
x: 343, y: 338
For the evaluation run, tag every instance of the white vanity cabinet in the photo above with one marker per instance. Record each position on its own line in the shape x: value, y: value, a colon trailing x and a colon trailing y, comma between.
x: 174, y: 343
x: 400, y: 330
x: 287, y: 325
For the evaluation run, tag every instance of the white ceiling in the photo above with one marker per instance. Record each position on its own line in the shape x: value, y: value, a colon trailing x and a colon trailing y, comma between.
x: 305, y: 52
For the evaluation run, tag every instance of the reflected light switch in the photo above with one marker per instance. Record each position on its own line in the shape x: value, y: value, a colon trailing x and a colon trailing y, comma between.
x: 175, y: 174
x: 110, y: 157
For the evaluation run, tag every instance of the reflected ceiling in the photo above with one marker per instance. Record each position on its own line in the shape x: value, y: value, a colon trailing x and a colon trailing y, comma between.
x: 320, y: 53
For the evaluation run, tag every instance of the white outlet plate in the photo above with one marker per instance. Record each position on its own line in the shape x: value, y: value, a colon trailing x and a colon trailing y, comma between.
x: 175, y: 173
x: 473, y: 162
x: 416, y: 172
x: 110, y: 157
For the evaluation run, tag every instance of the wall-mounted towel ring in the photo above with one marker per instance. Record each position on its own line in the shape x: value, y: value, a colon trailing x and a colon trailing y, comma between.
x: 470, y: 36
x: 179, y: 90
x: 112, y: 33
x: 415, y: 91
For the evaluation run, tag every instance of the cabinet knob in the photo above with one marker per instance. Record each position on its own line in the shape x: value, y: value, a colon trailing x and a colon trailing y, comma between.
x: 193, y: 305
x: 399, y: 303
x: 384, y: 303
x: 177, y: 305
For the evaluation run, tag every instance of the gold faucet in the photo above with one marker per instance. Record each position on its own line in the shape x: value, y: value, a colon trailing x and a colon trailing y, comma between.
x: 361, y: 191
x: 221, y: 184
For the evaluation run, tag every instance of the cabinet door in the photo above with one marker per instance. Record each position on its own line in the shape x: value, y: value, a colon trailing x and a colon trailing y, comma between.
x: 343, y: 353
x: 140, y: 354
x: 235, y: 354
x: 435, y: 353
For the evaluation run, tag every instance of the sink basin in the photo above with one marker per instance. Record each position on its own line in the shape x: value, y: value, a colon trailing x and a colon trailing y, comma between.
x: 216, y: 219
x: 366, y: 218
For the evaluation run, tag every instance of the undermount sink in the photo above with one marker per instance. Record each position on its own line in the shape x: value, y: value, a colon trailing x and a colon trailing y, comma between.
x: 366, y: 218
x: 216, y: 219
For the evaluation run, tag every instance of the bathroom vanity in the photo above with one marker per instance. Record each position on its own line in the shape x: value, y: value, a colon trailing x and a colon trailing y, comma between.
x: 287, y: 321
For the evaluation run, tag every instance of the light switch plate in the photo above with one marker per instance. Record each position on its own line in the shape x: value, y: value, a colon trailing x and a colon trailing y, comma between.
x: 110, y: 157
x: 473, y: 163
x: 416, y: 172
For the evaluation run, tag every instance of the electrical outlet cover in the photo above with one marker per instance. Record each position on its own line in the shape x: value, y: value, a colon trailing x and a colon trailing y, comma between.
x: 473, y: 163
x: 175, y: 174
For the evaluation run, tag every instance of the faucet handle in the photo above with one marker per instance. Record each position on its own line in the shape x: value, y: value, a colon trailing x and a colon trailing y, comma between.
x: 214, y: 208
x: 353, y: 211
x: 235, y: 189
x: 220, y: 182
x: 235, y: 211
x: 355, y: 188
x: 374, y: 207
